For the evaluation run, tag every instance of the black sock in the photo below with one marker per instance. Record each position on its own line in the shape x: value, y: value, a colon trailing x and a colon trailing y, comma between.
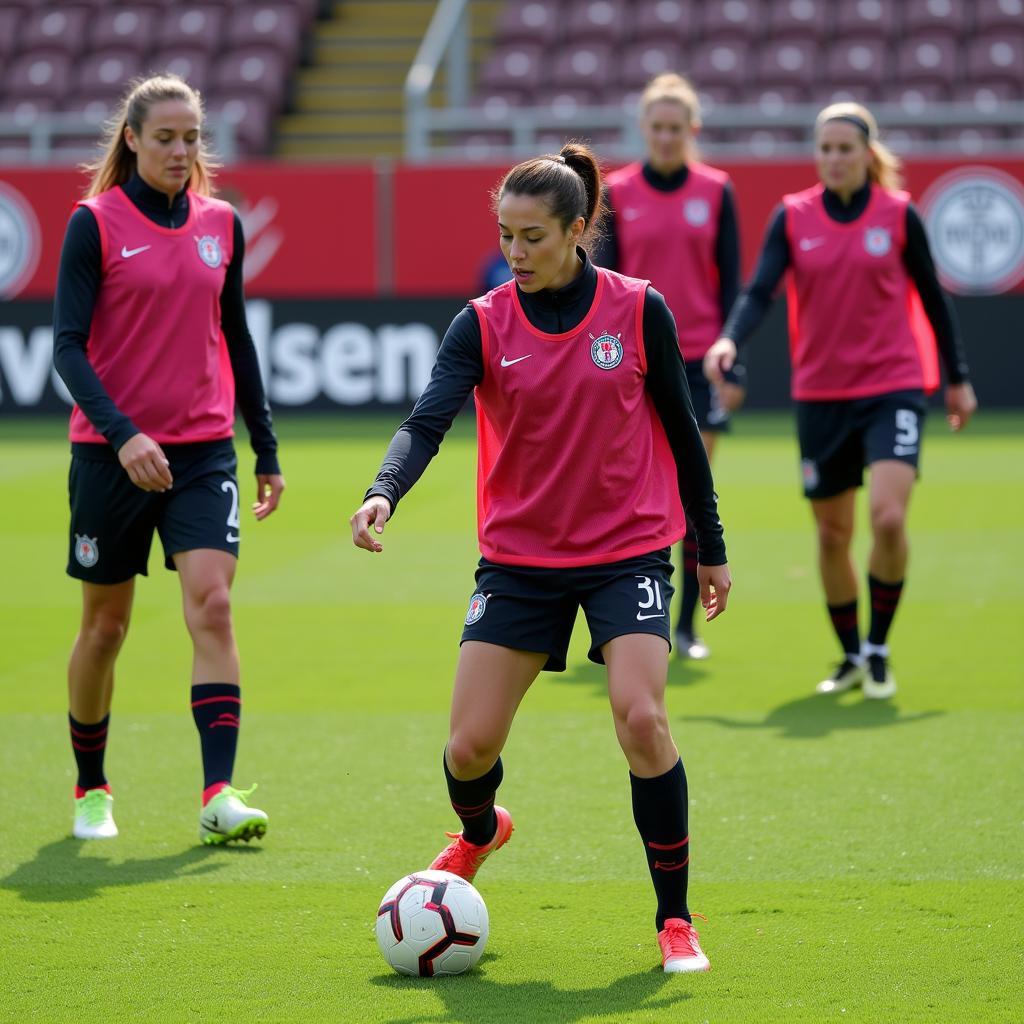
x: 473, y: 801
x: 884, y: 599
x: 89, y: 743
x: 691, y: 586
x: 844, y: 622
x: 216, y: 708
x: 659, y: 810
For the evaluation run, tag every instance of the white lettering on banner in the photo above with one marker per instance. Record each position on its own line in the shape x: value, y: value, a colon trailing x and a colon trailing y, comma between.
x: 293, y: 371
x: 27, y: 366
x: 412, y: 345
x: 347, y: 357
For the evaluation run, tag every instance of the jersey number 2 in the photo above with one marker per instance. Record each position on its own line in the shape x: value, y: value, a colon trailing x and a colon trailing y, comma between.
x: 230, y: 487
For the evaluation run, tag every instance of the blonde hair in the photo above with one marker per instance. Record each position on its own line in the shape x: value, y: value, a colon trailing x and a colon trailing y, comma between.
x: 885, y: 167
x: 117, y: 162
x: 669, y: 87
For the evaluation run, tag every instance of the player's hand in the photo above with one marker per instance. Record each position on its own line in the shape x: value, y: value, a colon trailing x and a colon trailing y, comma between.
x: 960, y: 405
x: 715, y: 584
x: 375, y: 511
x: 145, y: 463
x: 718, y: 359
x: 268, y: 494
x: 731, y: 396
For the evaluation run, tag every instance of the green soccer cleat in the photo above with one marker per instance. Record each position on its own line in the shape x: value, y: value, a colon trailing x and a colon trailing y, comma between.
x: 228, y: 817
x: 94, y: 816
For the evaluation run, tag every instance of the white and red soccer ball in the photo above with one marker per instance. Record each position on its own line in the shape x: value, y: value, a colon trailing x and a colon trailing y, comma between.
x: 432, y: 923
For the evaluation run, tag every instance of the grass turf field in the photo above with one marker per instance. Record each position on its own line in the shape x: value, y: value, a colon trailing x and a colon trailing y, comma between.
x: 857, y: 862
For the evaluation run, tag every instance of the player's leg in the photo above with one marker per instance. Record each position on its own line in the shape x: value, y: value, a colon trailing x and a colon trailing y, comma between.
x: 892, y: 443
x: 106, y: 610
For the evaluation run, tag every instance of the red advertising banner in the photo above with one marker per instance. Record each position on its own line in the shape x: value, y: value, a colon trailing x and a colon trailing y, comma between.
x: 316, y: 231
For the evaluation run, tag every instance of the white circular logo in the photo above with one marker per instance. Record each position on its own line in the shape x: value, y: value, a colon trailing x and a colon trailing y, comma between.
x: 696, y: 212
x: 477, y: 607
x: 975, y: 218
x: 606, y: 351
x: 86, y: 552
x: 19, y: 241
x: 209, y: 251
x: 877, y: 241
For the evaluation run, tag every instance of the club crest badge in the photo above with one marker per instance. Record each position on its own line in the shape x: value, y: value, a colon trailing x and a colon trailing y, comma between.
x: 606, y: 351
x: 696, y: 212
x: 877, y: 241
x: 86, y: 552
x: 210, y: 251
x: 809, y: 469
x: 477, y: 607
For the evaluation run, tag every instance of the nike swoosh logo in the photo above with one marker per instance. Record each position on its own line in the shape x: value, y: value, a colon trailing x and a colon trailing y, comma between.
x: 127, y: 253
x: 806, y: 244
x: 510, y: 362
x: 232, y: 538
x: 211, y: 823
x: 640, y: 616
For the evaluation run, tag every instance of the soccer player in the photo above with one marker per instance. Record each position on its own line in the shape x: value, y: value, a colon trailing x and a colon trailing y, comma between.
x: 152, y: 342
x: 865, y: 314
x: 673, y: 221
x: 586, y: 440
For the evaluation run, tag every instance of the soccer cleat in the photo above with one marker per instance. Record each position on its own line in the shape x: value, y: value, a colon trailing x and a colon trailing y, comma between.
x: 846, y: 674
x: 680, y: 948
x: 690, y: 646
x: 227, y: 817
x: 878, y: 683
x: 463, y: 858
x: 94, y: 815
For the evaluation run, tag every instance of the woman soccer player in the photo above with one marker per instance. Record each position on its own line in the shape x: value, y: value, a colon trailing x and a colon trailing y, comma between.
x: 862, y: 297
x: 587, y: 440
x: 673, y: 222
x: 151, y: 340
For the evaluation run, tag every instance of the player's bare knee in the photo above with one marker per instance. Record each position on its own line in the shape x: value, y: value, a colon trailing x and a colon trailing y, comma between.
x: 834, y: 537
x: 644, y: 727
x: 103, y: 634
x: 469, y: 756
x: 888, y: 523
x: 210, y: 611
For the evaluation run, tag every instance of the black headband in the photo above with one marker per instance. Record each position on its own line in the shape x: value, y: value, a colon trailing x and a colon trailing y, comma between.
x: 857, y: 122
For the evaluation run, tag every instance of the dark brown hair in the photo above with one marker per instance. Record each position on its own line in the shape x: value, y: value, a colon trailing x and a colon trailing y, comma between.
x: 569, y: 182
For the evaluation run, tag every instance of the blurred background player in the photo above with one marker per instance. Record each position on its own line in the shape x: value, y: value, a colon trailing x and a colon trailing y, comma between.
x: 673, y: 222
x: 862, y: 296
x: 586, y: 440
x: 152, y: 342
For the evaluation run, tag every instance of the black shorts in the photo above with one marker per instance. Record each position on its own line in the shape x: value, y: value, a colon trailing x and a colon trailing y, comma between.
x: 533, y: 609
x: 712, y: 416
x: 112, y: 520
x: 838, y: 439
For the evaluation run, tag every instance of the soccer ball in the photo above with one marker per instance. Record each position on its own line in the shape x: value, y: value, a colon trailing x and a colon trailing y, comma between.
x: 432, y: 923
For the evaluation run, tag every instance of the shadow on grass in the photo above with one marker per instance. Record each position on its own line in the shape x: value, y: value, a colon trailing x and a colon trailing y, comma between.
x: 60, y: 874
x: 474, y: 997
x: 820, y: 715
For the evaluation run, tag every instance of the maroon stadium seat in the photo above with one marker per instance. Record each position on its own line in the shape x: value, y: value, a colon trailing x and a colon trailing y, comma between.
x: 191, y: 65
x: 197, y: 28
x: 536, y: 21
x: 10, y: 19
x: 123, y: 28
x: 599, y: 21
x: 715, y: 95
x: 584, y: 65
x: 666, y: 19
x: 998, y: 14
x: 498, y: 104
x: 720, y: 63
x: 762, y: 142
x: 915, y: 99
x: 54, y: 30
x: 799, y: 19
x: 25, y: 111
x: 777, y: 98
x: 988, y: 97
x: 866, y: 19
x: 971, y: 140
x: 564, y: 103
x: 107, y: 73
x: 902, y: 139
x: 826, y: 95
x: 642, y: 61
x: 928, y: 59
x: 38, y: 76
x: 517, y: 66
x: 857, y: 61
x: 94, y: 110
x: 935, y: 17
x: 251, y: 117
x: 275, y: 26
x: 479, y: 145
x: 306, y: 10
x: 787, y: 62
x: 732, y: 19
x: 995, y: 56
x: 251, y: 72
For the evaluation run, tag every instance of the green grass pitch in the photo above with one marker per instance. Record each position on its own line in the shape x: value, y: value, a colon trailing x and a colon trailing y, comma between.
x: 856, y: 862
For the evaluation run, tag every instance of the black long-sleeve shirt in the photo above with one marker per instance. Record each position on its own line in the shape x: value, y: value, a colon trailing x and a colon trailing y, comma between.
x: 459, y: 368
x: 78, y: 282
x: 774, y: 259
